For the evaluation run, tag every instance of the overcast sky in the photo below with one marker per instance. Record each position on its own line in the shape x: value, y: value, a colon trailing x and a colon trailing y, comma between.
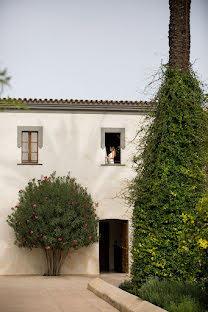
x: 91, y: 49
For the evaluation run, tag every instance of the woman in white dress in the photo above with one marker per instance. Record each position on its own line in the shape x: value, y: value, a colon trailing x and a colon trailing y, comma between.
x: 111, y: 156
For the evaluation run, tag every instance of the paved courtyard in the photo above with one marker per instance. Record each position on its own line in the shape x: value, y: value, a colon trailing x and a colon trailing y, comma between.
x: 52, y: 294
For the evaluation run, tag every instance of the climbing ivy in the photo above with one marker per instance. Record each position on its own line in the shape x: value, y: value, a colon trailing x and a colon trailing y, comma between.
x: 194, y: 240
x: 170, y: 177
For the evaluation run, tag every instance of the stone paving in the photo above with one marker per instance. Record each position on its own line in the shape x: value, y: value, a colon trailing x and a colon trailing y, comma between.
x: 114, y: 278
x: 52, y: 294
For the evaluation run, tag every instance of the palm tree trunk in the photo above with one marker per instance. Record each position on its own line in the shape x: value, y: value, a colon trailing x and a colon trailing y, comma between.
x: 179, y: 34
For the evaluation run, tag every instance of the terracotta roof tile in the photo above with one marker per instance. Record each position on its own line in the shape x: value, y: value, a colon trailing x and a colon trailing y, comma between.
x: 87, y: 105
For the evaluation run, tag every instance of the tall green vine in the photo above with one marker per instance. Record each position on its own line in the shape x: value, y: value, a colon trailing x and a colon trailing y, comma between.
x: 170, y: 177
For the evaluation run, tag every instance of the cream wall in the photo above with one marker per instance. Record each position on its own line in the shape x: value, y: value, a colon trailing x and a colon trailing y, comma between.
x: 71, y: 142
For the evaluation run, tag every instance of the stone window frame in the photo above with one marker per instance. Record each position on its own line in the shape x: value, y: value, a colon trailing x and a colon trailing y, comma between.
x: 21, y: 129
x: 122, y: 140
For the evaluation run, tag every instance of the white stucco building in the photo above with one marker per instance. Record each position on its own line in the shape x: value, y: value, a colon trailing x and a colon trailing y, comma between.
x: 63, y: 136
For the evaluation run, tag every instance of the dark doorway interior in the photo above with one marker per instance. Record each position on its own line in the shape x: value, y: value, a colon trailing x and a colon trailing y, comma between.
x: 104, y: 246
x: 113, y: 246
x: 113, y: 140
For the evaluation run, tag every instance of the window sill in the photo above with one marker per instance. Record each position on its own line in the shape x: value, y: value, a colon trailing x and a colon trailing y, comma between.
x: 22, y: 164
x: 113, y: 165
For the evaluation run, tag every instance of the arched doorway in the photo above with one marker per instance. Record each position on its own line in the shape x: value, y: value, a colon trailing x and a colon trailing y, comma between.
x: 113, y: 245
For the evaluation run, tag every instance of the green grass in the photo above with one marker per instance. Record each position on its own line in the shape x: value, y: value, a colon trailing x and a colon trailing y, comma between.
x: 172, y: 296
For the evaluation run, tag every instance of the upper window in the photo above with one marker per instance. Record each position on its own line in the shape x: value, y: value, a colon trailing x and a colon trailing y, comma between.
x: 113, y: 146
x: 29, y: 147
x: 112, y: 141
x: 29, y: 139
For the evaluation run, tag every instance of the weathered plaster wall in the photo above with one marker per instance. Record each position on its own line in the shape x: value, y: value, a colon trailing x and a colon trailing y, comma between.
x: 71, y: 142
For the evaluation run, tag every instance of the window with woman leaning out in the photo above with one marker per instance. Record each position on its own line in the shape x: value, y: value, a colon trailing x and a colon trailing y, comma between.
x: 112, y: 142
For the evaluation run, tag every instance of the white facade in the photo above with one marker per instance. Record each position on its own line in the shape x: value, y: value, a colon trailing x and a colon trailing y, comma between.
x: 71, y: 142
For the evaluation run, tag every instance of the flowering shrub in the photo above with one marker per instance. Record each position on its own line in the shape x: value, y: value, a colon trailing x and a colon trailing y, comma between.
x: 55, y: 214
x: 194, y: 239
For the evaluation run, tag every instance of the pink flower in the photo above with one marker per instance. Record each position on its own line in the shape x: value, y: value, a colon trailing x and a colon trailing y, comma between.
x: 26, y: 242
x: 38, y: 235
x: 44, y: 236
x: 33, y: 245
x: 46, y: 197
x: 20, y: 191
x: 28, y: 220
x: 85, y: 224
x: 76, y: 203
x: 36, y: 217
x: 87, y: 216
x: 90, y: 237
x: 84, y: 204
x: 18, y: 243
x: 72, y: 203
x: 31, y: 232
x: 25, y: 239
x: 19, y: 222
x: 41, y: 234
x: 33, y: 212
x: 17, y: 206
x: 73, y: 188
x: 34, y: 205
x: 47, y: 247
x: 86, y: 193
x: 60, y: 239
x: 75, y: 241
